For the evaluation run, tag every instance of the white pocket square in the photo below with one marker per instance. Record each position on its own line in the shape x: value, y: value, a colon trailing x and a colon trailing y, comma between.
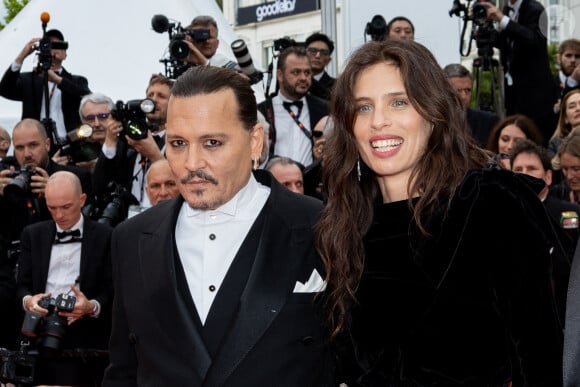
x: 314, y: 284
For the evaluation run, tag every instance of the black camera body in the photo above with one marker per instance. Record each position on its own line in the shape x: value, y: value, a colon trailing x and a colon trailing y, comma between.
x: 133, y: 116
x: 17, y: 367
x: 285, y: 42
x: 178, y: 49
x: 45, y: 45
x: 112, y: 207
x: 52, y: 328
x: 77, y: 147
x: 20, y: 183
x: 483, y: 30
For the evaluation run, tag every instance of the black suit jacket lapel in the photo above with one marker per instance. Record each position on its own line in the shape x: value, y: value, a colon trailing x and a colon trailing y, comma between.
x: 157, y: 261
x: 278, y: 260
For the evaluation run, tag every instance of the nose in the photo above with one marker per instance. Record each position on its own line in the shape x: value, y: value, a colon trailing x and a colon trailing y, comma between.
x: 380, y: 118
x: 194, y: 159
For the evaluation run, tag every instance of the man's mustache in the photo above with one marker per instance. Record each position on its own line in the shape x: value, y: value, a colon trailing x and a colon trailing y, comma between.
x: 199, y: 174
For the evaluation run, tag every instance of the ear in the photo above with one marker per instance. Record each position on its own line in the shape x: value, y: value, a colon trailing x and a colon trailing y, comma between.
x: 548, y: 178
x: 256, y: 141
x: 83, y: 199
x: 279, y: 74
x: 47, y: 144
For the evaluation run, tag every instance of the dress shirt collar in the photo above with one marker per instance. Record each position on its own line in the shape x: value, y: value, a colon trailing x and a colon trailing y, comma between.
x: 284, y: 99
x: 234, y: 205
x: 516, y: 6
x: 78, y: 225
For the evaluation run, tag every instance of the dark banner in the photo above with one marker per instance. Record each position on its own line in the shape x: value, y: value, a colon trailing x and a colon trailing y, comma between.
x: 275, y: 10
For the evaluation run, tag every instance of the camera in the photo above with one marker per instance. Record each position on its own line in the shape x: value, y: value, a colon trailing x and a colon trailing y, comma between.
x: 483, y: 30
x: 20, y: 183
x: 377, y: 28
x: 44, y: 54
x: 133, y: 116
x: 285, y: 42
x: 52, y: 328
x: 17, y: 367
x: 240, y: 50
x: 77, y: 147
x: 112, y: 207
x: 178, y: 49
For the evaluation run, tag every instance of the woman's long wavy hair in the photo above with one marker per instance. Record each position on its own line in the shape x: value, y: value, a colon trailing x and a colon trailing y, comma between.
x: 449, y: 154
x: 564, y: 128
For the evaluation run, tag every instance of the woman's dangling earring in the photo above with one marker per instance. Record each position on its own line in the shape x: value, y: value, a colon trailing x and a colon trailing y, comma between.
x: 358, y: 174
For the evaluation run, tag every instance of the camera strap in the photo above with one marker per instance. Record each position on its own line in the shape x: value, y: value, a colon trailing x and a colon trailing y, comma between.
x: 298, y: 104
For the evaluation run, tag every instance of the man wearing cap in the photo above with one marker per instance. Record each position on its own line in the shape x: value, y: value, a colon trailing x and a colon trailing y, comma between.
x: 64, y: 89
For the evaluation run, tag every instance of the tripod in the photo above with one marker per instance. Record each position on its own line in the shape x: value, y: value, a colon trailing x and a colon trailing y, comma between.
x: 485, y: 63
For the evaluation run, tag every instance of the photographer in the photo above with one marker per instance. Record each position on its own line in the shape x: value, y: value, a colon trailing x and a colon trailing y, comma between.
x: 22, y: 188
x: 68, y: 255
x: 125, y: 160
x: 524, y: 56
x: 202, y: 51
x: 65, y: 89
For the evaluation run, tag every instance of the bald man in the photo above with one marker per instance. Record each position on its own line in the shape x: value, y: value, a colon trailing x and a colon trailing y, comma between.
x: 70, y: 255
x: 161, y: 183
x: 4, y: 142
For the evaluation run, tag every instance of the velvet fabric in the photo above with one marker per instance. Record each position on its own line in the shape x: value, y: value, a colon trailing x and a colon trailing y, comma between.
x: 472, y: 305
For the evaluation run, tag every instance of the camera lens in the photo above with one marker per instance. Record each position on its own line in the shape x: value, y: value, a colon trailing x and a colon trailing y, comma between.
x: 178, y: 49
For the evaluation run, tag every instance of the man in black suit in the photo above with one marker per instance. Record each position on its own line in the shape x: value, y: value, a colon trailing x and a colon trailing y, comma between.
x: 293, y: 113
x: 64, y: 89
x: 217, y: 286
x: 125, y: 160
x: 480, y: 122
x: 319, y: 47
x: 68, y: 255
x: 531, y: 159
x: 524, y: 56
x: 26, y: 205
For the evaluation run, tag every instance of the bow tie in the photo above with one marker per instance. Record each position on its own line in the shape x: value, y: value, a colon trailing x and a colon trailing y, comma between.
x: 73, y: 235
x: 287, y: 105
x: 69, y: 233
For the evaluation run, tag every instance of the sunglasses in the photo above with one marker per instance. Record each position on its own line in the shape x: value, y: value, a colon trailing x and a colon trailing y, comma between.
x: 100, y: 116
x: 321, y: 51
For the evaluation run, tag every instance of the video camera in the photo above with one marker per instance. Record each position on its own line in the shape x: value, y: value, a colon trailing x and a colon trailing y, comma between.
x: 46, y: 44
x: 377, y: 28
x: 52, y: 328
x: 133, y: 116
x: 285, y: 42
x: 178, y: 49
x: 483, y: 30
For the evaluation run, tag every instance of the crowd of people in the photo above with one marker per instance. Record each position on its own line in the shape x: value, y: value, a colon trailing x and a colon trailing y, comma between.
x: 373, y: 229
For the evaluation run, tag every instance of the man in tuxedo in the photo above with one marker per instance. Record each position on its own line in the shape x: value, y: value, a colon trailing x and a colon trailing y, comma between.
x: 64, y: 89
x: 319, y: 47
x: 67, y: 255
x: 524, y: 56
x: 480, y: 122
x: 217, y: 286
x: 161, y: 184
x: 125, y: 160
x: 23, y: 202
x: 293, y: 113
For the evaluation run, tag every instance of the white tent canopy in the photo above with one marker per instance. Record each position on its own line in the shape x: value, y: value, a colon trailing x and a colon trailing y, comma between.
x: 111, y: 42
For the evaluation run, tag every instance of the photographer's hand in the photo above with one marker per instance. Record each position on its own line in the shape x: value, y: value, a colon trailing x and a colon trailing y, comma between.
x: 5, y: 178
x: 30, y: 303
x: 195, y: 56
x: 493, y: 12
x: 83, y: 307
x: 38, y: 181
x: 112, y: 129
x: 147, y: 147
x: 27, y: 50
x: 62, y: 160
x: 54, y: 77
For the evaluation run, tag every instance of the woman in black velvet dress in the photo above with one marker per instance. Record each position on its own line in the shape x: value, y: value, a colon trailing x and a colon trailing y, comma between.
x: 438, y: 269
